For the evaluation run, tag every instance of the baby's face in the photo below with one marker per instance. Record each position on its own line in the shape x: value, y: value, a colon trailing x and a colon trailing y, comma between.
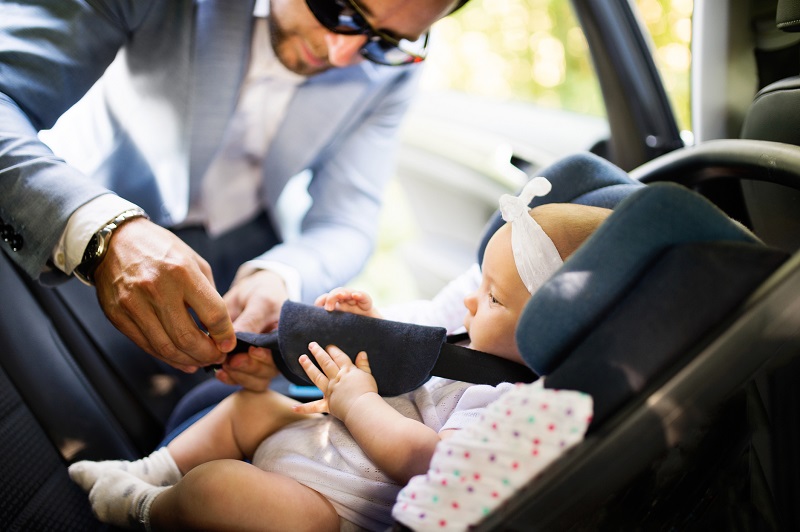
x: 494, y: 309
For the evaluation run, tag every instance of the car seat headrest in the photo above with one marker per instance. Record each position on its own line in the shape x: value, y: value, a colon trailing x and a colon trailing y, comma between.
x: 788, y: 15
x: 600, y: 272
x: 582, y: 178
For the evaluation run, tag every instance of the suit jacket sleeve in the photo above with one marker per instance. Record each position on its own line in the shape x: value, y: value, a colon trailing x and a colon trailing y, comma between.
x: 51, y: 52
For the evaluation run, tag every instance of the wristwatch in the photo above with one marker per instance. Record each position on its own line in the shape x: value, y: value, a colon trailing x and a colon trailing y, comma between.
x: 98, y: 245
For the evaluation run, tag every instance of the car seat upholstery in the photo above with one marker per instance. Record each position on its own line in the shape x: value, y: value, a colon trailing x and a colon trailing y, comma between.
x: 774, y: 212
x: 627, y: 320
x: 140, y: 391
x: 774, y: 209
x: 582, y: 178
x: 50, y: 414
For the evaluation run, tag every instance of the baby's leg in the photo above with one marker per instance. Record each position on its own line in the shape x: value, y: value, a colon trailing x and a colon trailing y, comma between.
x: 233, y: 495
x: 233, y: 429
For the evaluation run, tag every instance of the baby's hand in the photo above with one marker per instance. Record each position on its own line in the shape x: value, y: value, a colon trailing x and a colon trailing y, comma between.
x: 341, y: 381
x: 348, y: 300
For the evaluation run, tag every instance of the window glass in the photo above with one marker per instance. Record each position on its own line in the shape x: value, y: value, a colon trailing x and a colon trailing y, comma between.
x: 534, y: 50
x: 529, y: 50
x: 531, y: 57
x: 670, y: 25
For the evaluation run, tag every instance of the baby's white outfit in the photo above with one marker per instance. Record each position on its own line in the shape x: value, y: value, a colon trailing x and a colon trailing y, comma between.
x: 321, y: 454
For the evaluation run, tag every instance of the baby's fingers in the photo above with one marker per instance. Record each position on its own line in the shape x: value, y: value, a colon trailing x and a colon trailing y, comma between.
x: 320, y: 301
x: 320, y: 406
x: 329, y: 360
x: 339, y: 357
x: 338, y: 296
x: 362, y: 363
x: 313, y: 373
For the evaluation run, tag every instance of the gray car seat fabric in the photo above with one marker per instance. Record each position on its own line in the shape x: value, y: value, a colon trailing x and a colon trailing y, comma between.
x: 50, y: 414
x: 140, y: 391
x: 582, y: 178
x: 626, y: 315
x: 651, y: 220
x: 773, y: 209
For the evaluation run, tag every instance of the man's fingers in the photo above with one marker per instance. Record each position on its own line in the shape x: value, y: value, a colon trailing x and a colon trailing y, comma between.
x: 213, y: 314
x: 254, y: 301
x: 141, y: 322
x: 132, y: 331
x: 258, y: 316
x: 148, y: 278
x: 245, y: 380
x: 253, y: 370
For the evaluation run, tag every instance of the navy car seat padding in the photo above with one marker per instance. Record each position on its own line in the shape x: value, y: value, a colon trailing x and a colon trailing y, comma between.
x: 602, y: 271
x: 402, y: 356
x: 35, y: 491
x: 582, y: 178
x: 684, y: 293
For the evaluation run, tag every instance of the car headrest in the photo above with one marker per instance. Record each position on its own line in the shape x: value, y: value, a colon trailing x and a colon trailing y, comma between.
x: 600, y: 272
x: 583, y: 178
x: 788, y: 15
x: 775, y: 113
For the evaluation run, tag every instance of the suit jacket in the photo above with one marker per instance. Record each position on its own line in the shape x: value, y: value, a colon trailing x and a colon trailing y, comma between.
x: 171, y: 72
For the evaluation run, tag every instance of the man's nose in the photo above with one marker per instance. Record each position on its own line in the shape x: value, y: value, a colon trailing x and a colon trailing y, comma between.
x: 343, y: 49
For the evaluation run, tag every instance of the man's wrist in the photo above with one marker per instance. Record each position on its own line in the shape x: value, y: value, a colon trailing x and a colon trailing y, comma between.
x: 97, y: 247
x: 289, y: 275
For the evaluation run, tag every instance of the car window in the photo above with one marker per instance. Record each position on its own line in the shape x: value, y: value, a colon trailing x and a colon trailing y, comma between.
x: 508, y: 87
x: 534, y: 51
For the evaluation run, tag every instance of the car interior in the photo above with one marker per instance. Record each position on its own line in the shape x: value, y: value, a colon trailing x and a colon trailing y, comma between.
x: 687, y: 338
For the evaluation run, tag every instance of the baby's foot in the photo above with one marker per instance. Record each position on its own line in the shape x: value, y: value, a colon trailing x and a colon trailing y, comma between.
x: 158, y: 469
x: 121, y: 499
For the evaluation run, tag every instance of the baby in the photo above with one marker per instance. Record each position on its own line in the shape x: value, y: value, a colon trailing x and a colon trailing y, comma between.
x: 307, y: 470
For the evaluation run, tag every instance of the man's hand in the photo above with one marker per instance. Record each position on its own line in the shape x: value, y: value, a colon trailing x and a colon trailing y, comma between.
x: 253, y: 370
x: 254, y: 302
x: 145, y: 284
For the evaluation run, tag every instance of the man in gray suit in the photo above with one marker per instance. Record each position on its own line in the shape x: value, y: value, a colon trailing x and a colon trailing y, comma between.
x: 194, y: 121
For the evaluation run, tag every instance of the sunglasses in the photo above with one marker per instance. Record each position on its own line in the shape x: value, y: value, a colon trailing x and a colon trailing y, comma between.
x: 347, y: 18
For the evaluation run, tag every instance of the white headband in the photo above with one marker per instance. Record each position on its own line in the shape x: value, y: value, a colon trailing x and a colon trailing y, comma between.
x: 534, y: 252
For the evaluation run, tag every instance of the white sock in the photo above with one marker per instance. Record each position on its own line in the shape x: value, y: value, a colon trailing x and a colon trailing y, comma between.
x: 121, y: 499
x: 158, y: 469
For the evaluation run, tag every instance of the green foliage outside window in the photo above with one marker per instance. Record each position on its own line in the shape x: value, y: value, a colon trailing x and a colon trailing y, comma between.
x: 534, y: 50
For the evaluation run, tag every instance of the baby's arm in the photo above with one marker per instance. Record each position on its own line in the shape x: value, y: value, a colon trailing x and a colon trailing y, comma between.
x: 401, y: 447
x: 348, y: 300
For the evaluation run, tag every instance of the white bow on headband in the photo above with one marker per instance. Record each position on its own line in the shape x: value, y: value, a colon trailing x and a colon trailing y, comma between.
x: 534, y: 252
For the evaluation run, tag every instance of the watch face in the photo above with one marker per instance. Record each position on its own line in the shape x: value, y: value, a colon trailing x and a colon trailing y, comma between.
x: 91, y: 250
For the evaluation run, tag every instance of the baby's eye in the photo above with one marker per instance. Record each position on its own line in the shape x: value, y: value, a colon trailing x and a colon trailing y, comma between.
x: 493, y: 300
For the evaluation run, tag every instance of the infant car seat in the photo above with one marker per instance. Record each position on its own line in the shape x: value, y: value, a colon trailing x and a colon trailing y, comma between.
x: 667, y: 316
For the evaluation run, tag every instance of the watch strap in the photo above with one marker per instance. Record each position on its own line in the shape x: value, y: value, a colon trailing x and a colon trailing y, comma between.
x: 97, y: 247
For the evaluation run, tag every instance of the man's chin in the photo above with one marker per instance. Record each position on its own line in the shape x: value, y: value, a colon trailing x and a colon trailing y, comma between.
x: 303, y: 68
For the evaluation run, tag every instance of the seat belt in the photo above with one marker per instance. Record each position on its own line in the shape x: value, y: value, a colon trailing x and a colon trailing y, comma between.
x: 402, y: 356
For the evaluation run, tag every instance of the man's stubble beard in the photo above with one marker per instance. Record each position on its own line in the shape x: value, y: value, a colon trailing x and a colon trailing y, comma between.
x: 277, y: 36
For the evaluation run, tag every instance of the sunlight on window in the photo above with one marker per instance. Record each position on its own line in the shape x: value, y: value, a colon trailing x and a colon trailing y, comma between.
x: 527, y: 51
x: 534, y: 50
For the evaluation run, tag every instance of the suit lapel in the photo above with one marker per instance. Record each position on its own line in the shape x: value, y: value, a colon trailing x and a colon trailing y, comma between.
x: 222, y: 37
x: 322, y: 107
